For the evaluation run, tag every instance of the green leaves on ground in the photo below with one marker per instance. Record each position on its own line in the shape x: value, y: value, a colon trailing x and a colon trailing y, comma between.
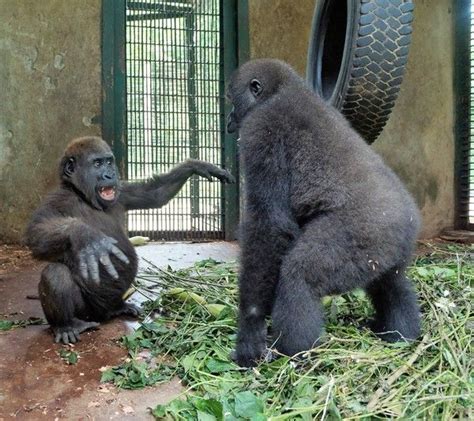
x: 12, y: 324
x: 244, y: 405
x: 136, y: 374
x: 68, y: 356
x: 352, y: 374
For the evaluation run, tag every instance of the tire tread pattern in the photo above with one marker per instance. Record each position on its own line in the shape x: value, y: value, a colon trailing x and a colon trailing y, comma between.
x: 380, y: 53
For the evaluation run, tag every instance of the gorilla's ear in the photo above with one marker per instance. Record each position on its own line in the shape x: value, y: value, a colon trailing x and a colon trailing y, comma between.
x: 69, y: 167
x: 256, y: 87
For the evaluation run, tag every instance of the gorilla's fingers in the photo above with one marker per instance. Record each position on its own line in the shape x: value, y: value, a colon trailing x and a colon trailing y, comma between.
x: 57, y: 339
x: 226, y: 177
x: 83, y: 265
x: 72, y: 337
x: 119, y: 254
x: 65, y: 338
x: 76, y: 334
x: 109, y: 267
x: 93, y: 267
x: 222, y: 175
x: 206, y: 175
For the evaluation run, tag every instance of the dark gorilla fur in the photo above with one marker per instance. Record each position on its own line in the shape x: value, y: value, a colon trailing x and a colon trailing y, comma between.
x: 323, y: 215
x: 79, y: 228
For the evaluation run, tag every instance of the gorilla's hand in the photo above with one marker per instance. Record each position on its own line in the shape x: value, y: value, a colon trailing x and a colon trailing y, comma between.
x: 206, y: 170
x: 94, y: 251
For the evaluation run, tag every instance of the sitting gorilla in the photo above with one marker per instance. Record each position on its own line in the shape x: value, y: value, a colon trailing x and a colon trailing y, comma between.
x: 323, y: 215
x: 79, y: 229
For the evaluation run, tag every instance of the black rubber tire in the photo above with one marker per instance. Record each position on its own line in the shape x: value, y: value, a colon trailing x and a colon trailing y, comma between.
x: 357, y: 56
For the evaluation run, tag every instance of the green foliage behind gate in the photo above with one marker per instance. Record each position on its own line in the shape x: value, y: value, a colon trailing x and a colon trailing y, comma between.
x: 164, y: 103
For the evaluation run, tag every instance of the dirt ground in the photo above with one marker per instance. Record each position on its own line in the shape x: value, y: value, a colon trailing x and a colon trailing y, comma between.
x: 35, y: 383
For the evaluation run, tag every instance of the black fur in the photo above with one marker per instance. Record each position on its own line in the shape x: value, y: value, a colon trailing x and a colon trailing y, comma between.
x: 323, y: 215
x: 81, y: 233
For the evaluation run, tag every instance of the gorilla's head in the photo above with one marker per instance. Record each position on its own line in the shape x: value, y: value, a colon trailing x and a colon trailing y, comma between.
x: 88, y: 166
x: 252, y: 84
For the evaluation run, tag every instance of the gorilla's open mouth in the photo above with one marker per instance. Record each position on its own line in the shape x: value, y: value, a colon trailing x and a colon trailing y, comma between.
x: 107, y: 193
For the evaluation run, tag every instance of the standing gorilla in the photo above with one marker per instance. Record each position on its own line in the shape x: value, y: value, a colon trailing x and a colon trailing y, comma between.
x: 79, y: 229
x: 323, y: 215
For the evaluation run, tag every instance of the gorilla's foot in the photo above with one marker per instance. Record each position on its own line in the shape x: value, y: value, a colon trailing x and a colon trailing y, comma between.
x: 297, y: 317
x: 249, y: 354
x: 406, y: 330
x: 71, y: 333
x: 397, y: 314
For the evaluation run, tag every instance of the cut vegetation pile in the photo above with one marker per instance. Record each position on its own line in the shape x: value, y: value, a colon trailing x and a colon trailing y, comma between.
x: 352, y: 375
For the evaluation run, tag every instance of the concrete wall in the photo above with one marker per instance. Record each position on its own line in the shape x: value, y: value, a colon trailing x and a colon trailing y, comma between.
x: 418, y: 141
x: 50, y: 83
x: 280, y: 29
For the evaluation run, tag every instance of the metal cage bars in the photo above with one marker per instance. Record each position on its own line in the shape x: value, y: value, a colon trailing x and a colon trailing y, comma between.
x: 169, y: 60
x: 464, y: 86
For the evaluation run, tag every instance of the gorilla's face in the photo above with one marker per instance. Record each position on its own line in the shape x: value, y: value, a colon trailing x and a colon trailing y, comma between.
x: 244, y: 97
x: 94, y: 174
x: 252, y: 85
x: 103, y: 173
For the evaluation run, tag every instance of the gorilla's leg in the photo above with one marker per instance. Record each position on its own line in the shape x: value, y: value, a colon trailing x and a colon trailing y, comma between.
x: 397, y: 312
x: 62, y: 300
x: 257, y: 280
x: 322, y: 262
x: 297, y: 316
x: 264, y: 242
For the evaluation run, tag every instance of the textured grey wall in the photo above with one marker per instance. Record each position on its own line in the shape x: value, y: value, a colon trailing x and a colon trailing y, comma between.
x: 50, y: 82
x: 418, y: 141
x: 51, y: 89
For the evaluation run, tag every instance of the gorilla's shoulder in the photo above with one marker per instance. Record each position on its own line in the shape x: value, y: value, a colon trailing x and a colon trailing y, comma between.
x: 61, y: 199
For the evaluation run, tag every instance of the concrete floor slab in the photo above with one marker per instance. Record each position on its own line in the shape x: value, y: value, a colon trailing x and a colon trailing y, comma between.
x: 35, y: 383
x: 182, y: 255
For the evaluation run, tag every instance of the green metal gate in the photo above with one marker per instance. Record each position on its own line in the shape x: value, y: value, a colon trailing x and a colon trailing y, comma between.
x: 464, y: 78
x: 469, y: 147
x: 165, y: 65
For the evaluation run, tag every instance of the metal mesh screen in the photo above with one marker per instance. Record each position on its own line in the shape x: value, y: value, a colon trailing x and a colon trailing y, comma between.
x: 173, y: 83
x: 469, y: 147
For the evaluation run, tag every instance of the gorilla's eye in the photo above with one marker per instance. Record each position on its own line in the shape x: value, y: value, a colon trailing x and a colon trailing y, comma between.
x: 109, y: 161
x: 97, y: 163
x: 256, y: 87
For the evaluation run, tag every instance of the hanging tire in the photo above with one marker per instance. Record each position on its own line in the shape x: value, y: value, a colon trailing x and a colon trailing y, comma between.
x: 357, y: 57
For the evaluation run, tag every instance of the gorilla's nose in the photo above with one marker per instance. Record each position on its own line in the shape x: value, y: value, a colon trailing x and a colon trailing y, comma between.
x: 231, y: 125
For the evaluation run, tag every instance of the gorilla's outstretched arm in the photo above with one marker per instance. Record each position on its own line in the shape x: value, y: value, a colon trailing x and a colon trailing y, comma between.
x: 160, y: 189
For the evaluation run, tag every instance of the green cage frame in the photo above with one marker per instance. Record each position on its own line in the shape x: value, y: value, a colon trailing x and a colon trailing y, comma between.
x: 464, y: 128
x: 234, y: 49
